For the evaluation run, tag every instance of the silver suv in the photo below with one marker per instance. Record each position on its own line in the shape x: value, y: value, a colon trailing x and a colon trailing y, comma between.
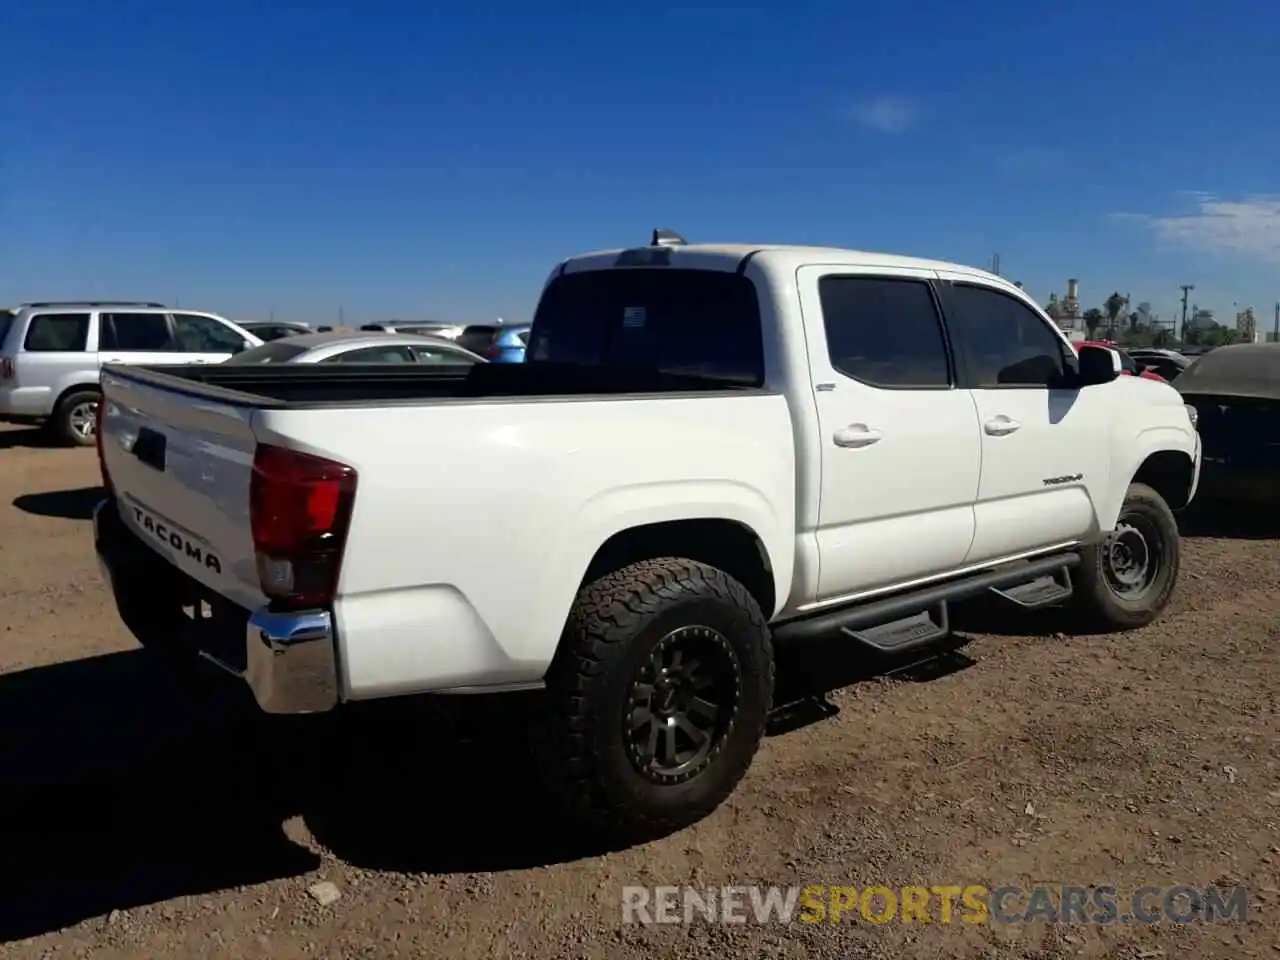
x: 50, y: 355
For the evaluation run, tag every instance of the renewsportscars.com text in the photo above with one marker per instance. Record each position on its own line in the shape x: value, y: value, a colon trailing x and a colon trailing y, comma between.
x: 971, y: 904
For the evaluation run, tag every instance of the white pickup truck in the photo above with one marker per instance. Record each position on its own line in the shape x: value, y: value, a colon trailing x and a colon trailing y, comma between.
x: 710, y: 450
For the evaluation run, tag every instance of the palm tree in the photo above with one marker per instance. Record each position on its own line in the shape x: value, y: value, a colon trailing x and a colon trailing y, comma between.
x: 1093, y: 320
x: 1115, y: 303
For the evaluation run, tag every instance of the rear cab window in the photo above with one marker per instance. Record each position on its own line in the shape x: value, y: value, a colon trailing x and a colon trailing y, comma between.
x: 676, y: 321
x: 6, y: 322
x: 57, y: 333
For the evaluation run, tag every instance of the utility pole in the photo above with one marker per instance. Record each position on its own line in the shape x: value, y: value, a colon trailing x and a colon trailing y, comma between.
x: 341, y: 321
x: 1186, y: 289
x: 1275, y: 332
x: 995, y: 264
x: 273, y: 315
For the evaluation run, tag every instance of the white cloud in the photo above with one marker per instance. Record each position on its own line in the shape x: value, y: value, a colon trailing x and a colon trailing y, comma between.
x: 887, y: 114
x: 1249, y: 226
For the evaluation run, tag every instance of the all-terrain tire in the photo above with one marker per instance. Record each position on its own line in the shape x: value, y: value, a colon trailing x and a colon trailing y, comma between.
x: 616, y: 625
x: 1096, y: 601
x: 66, y: 419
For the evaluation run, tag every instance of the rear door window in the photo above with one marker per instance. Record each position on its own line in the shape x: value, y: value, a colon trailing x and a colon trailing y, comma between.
x: 136, y: 333
x: 884, y: 331
x: 693, y: 322
x: 6, y: 321
x: 57, y: 333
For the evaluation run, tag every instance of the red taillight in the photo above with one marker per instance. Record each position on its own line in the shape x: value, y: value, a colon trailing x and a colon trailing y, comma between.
x: 99, y: 422
x: 492, y: 351
x: 299, y: 510
x: 6, y: 368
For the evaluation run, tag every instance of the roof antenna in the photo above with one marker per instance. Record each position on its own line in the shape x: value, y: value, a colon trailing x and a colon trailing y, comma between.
x: 667, y: 238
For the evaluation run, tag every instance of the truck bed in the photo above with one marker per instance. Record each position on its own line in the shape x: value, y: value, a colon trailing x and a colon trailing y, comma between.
x: 275, y: 386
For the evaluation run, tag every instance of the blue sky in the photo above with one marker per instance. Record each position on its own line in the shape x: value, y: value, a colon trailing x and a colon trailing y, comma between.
x: 408, y: 159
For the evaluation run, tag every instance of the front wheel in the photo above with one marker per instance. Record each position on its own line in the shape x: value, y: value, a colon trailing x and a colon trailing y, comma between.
x: 658, y: 697
x: 1125, y: 580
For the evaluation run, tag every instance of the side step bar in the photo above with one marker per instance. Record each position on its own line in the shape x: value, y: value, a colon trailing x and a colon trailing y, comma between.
x: 906, y: 621
x: 1041, y: 592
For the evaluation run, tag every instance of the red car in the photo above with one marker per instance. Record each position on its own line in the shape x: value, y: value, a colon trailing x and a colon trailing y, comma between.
x: 1131, y: 367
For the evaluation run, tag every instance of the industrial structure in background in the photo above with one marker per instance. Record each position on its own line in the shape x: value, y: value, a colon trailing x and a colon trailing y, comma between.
x: 1247, y: 326
x: 1066, y: 312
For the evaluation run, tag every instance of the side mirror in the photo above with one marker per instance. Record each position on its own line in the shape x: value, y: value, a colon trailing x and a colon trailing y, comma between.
x: 1098, y: 365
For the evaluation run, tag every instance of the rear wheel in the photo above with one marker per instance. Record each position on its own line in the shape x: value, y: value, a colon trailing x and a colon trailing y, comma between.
x: 1126, y: 579
x: 658, y: 697
x: 75, y: 420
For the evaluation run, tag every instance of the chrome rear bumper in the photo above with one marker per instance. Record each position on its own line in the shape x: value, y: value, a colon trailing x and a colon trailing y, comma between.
x: 290, y: 659
x: 291, y: 662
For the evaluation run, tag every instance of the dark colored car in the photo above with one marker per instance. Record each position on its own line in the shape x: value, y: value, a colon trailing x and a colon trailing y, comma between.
x: 1167, y: 363
x: 268, y: 330
x: 1235, y: 391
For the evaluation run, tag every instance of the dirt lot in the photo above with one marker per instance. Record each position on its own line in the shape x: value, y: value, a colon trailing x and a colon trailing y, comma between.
x: 144, y: 817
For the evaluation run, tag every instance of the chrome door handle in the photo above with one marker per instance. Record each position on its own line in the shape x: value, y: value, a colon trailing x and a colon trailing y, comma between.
x: 1001, y: 426
x: 856, y: 435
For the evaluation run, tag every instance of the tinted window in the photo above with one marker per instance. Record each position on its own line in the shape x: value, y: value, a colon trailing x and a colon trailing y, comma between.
x: 523, y: 337
x: 677, y: 321
x: 885, y: 332
x: 440, y: 355
x: 197, y: 334
x: 135, y: 331
x: 477, y: 338
x: 388, y: 354
x: 1006, y: 344
x: 6, y: 321
x: 57, y: 333
x: 274, y: 352
x: 1127, y: 363
x: 270, y: 333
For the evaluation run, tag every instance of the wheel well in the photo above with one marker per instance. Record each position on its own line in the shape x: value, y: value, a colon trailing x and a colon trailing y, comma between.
x: 1168, y: 473
x: 78, y: 388
x: 723, y: 544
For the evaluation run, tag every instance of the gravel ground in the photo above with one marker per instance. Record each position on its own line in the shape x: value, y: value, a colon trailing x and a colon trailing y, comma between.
x: 143, y: 815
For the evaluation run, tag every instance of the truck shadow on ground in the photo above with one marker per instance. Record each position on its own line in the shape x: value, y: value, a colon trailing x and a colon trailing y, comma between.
x: 35, y: 438
x: 1230, y: 521
x: 75, y: 504
x: 126, y: 780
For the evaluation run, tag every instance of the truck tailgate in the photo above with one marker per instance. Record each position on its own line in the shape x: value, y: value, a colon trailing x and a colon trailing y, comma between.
x: 180, y: 466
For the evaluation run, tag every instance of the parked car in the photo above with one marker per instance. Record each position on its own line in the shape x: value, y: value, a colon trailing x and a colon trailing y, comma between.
x: 267, y: 330
x: 51, y: 354
x: 340, y: 347
x: 1129, y: 366
x: 1167, y: 363
x: 449, y: 331
x: 1235, y: 391
x: 710, y: 450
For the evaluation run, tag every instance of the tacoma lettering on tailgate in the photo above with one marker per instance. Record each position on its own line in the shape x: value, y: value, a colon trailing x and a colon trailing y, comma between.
x: 177, y: 542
